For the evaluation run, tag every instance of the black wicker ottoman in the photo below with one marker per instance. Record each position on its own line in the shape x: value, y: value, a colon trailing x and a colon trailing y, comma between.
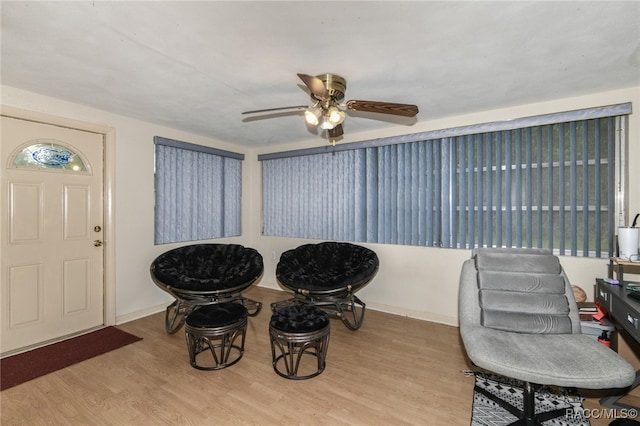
x: 295, y: 331
x: 218, y: 330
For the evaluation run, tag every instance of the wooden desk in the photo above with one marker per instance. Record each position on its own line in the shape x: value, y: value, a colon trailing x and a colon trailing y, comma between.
x: 621, y: 266
x: 625, y: 313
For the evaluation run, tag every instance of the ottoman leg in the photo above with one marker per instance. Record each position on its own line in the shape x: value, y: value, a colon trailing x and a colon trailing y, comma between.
x: 289, y: 351
x: 219, y: 330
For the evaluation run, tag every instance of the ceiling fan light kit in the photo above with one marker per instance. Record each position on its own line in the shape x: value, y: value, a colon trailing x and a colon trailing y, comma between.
x: 327, y: 91
x: 312, y: 116
x: 335, y: 116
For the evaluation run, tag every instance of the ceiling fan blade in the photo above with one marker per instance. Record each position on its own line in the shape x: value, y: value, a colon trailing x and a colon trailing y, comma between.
x: 316, y: 86
x: 276, y: 109
x: 336, y: 132
x: 405, y: 110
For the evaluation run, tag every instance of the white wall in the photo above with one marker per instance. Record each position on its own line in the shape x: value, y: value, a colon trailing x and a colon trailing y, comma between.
x: 416, y: 281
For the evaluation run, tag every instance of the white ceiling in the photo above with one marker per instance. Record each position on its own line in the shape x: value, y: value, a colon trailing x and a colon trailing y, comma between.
x: 196, y: 66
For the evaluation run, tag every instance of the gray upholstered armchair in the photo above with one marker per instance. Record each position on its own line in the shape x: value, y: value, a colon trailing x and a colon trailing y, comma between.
x: 519, y: 319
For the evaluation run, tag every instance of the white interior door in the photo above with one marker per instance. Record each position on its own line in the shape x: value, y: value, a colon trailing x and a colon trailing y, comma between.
x: 51, y: 261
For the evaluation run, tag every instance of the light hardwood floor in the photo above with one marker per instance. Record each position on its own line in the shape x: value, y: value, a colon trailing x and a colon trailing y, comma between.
x: 392, y: 371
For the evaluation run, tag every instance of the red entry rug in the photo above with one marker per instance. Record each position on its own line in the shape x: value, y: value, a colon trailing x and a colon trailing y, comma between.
x: 20, y: 368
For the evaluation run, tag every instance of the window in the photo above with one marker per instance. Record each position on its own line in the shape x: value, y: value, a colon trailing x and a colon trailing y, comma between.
x: 197, y: 192
x: 542, y: 186
x: 547, y: 181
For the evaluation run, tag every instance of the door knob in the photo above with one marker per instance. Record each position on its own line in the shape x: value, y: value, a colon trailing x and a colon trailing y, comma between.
x: 97, y: 243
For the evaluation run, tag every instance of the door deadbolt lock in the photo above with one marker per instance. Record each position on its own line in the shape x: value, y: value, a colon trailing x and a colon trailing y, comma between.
x: 97, y: 243
x: 97, y: 228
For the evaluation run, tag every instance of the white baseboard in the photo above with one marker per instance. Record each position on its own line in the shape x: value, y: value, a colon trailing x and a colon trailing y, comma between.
x: 409, y: 313
x: 121, y: 319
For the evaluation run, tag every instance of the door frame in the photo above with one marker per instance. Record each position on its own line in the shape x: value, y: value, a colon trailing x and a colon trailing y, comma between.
x: 109, y: 281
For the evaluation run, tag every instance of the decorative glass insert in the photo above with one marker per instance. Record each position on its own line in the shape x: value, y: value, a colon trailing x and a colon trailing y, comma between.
x: 46, y: 154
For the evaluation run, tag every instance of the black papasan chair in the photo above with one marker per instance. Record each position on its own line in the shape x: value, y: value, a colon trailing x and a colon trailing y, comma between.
x: 204, y: 274
x: 327, y: 275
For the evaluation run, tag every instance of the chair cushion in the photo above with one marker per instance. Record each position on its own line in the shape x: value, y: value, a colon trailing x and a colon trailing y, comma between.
x: 520, y: 260
x: 208, y: 267
x: 326, y: 266
x: 573, y: 360
x: 216, y: 315
x: 299, y: 319
x: 522, y: 291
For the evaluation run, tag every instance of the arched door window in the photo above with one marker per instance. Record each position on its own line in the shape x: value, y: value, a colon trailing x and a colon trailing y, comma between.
x: 51, y: 155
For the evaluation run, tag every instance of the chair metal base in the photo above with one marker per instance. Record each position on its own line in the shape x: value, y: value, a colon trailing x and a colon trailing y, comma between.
x: 220, y: 342
x: 527, y: 416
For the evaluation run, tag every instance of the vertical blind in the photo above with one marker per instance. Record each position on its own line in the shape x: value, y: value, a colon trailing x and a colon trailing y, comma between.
x: 548, y: 185
x: 197, y: 192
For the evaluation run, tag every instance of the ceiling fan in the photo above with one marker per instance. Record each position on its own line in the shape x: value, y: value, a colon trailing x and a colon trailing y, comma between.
x: 327, y: 91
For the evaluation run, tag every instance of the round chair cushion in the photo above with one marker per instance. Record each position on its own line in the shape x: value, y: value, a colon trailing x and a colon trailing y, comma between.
x: 299, y: 319
x: 216, y: 315
x: 208, y: 267
x: 326, y: 266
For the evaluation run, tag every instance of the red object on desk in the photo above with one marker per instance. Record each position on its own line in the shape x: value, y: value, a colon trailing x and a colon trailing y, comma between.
x: 600, y: 314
